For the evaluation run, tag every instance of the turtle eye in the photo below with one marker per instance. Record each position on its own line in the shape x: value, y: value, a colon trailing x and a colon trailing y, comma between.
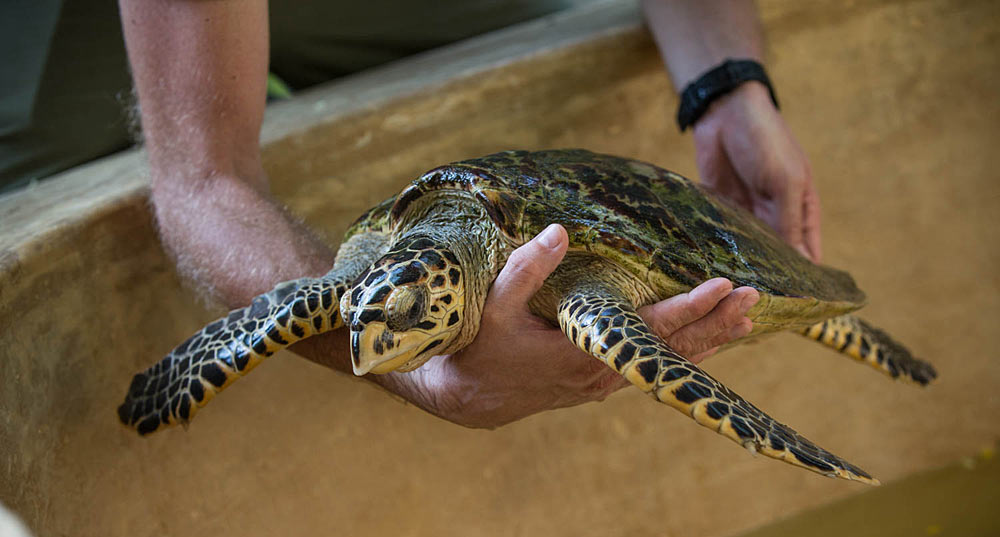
x: 405, y: 307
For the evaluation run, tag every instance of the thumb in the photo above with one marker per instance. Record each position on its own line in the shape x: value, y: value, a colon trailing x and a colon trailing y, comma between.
x: 527, y: 267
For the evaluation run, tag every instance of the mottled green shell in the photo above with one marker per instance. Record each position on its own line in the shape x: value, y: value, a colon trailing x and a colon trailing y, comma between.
x: 665, y: 229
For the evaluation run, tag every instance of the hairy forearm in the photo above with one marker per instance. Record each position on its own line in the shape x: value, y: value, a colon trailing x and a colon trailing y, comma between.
x: 236, y: 243
x: 695, y: 35
x: 232, y: 240
x: 200, y: 71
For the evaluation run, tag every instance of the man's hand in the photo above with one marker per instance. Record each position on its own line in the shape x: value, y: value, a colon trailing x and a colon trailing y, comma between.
x: 746, y: 153
x: 520, y: 365
x: 744, y: 149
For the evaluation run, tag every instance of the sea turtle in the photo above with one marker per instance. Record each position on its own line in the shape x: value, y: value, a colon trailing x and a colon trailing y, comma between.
x: 412, y: 274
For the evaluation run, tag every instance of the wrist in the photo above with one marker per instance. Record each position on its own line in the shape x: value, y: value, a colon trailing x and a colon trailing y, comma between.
x: 328, y: 350
x: 204, y: 223
x: 750, y: 98
x: 197, y: 169
x: 718, y: 83
x: 430, y: 388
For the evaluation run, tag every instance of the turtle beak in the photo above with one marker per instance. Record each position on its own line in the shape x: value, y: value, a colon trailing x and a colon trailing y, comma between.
x: 376, y: 349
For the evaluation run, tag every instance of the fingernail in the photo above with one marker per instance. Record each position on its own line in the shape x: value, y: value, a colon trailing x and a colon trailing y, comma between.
x: 717, y: 285
x: 805, y: 253
x: 550, y: 238
x: 748, y: 302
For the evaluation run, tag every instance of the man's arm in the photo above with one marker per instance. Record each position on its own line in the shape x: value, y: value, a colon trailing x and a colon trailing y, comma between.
x: 200, y: 69
x: 744, y: 149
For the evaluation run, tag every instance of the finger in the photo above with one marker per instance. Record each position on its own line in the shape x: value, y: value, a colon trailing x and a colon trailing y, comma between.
x: 604, y: 385
x: 667, y: 316
x: 527, y: 267
x: 810, y: 222
x: 724, y: 324
x: 789, y: 210
x: 697, y: 358
x: 717, y: 171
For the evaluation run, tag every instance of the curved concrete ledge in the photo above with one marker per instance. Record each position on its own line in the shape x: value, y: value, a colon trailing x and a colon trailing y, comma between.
x: 907, y: 175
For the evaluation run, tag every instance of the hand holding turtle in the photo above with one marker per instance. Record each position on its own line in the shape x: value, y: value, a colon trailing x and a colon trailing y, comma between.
x: 746, y: 153
x: 496, y: 380
x: 745, y: 150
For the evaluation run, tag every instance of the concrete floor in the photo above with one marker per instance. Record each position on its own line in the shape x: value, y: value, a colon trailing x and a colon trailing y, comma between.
x: 896, y: 104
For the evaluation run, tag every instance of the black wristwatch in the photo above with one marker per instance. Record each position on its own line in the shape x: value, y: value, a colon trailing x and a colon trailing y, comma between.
x: 698, y: 95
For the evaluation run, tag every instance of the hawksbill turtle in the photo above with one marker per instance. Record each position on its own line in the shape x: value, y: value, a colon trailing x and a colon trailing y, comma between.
x: 412, y: 274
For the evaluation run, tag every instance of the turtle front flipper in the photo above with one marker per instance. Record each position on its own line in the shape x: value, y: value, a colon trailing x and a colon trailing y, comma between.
x: 173, y: 390
x: 599, y: 319
x: 862, y: 341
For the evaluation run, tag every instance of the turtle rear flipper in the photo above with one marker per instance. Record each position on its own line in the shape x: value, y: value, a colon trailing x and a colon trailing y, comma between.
x: 602, y: 322
x: 862, y: 341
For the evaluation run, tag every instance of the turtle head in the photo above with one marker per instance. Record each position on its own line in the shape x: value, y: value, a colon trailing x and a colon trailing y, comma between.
x: 405, y: 308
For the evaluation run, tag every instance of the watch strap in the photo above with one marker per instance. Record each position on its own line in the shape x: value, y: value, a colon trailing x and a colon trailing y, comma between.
x: 720, y: 80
